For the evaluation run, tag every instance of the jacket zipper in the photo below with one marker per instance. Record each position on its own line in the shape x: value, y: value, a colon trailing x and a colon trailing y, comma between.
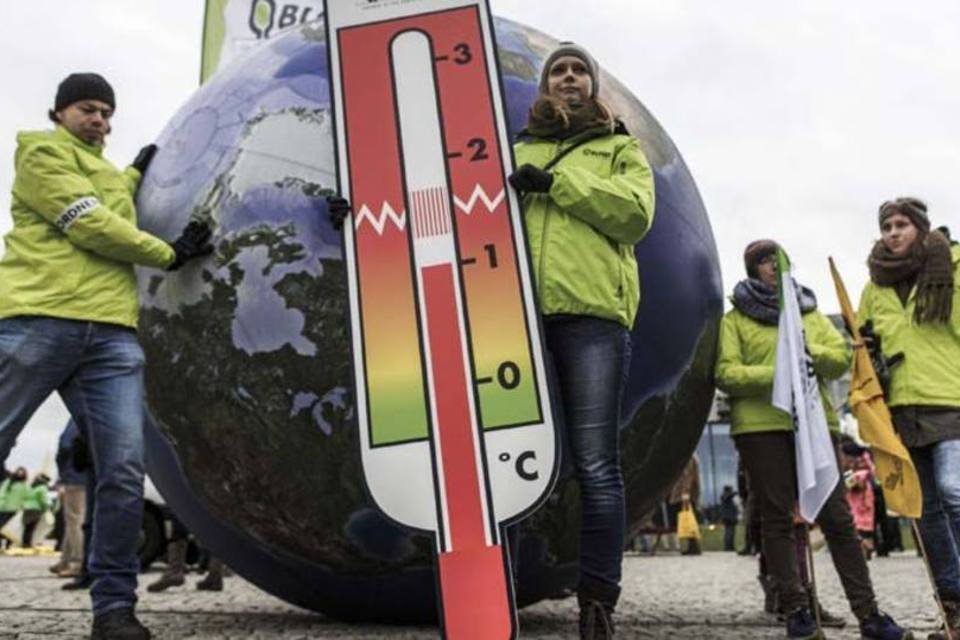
x: 543, y: 232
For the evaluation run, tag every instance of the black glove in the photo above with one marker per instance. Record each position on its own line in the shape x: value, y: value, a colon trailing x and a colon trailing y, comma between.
x: 144, y: 158
x: 192, y: 243
x: 530, y: 179
x: 338, y: 208
x: 882, y: 365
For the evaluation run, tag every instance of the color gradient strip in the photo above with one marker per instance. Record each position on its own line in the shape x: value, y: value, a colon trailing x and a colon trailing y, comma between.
x: 393, y: 371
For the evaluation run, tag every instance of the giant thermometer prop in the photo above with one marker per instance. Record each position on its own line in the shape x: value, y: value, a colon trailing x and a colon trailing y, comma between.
x: 455, y: 423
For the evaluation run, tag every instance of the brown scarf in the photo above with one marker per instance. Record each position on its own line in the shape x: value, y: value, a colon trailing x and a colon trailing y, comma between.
x: 553, y: 118
x: 929, y: 264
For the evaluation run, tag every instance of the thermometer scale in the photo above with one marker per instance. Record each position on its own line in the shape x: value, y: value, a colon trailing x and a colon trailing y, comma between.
x: 455, y: 424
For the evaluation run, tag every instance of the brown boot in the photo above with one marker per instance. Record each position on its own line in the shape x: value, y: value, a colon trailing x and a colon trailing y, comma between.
x: 173, y: 575
x: 213, y: 581
x: 597, y: 602
x: 770, y: 600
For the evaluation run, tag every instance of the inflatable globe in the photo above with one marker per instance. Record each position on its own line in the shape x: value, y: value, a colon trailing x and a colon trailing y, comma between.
x: 252, y: 438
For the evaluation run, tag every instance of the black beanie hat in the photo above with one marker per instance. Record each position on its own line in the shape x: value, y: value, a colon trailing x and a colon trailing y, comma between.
x: 913, y: 208
x: 755, y: 252
x: 83, y: 86
x: 575, y: 50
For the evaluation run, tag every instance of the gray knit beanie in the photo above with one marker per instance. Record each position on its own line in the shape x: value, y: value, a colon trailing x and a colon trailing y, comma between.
x: 575, y: 50
x: 913, y: 208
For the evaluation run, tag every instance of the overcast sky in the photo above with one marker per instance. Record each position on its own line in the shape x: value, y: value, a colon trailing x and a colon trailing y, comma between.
x: 796, y: 119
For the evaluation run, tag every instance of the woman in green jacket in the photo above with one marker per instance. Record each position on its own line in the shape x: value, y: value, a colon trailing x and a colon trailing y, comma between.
x: 911, y: 311
x: 588, y: 198
x: 764, y: 439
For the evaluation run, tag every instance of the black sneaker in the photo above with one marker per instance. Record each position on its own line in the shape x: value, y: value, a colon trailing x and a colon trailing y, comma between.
x: 802, y: 626
x: 82, y: 581
x: 118, y: 624
x: 880, y: 626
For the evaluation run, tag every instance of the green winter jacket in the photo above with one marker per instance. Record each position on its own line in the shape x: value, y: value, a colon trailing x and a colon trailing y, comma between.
x: 12, y: 496
x: 36, y: 499
x: 75, y: 239
x: 745, y: 361
x: 930, y: 371
x: 582, y: 233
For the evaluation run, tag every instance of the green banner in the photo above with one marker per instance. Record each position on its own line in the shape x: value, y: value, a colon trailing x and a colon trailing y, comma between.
x: 231, y: 27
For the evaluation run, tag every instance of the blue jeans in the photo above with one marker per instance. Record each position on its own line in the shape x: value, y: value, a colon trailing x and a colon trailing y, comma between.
x: 98, y: 371
x: 938, y: 466
x: 590, y: 357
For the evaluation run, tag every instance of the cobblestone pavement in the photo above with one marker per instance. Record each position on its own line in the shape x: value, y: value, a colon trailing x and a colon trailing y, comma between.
x: 712, y: 596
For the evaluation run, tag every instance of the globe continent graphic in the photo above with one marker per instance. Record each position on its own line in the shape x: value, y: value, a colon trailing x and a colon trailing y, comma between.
x: 252, y: 433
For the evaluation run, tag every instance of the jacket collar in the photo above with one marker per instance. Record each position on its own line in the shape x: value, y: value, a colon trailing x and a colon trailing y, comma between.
x: 619, y: 129
x: 62, y: 134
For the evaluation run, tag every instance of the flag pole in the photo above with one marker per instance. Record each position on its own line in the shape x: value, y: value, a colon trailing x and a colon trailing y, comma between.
x: 933, y: 582
x: 813, y: 581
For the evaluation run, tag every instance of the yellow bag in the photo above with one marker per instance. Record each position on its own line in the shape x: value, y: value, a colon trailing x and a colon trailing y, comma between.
x: 687, y: 525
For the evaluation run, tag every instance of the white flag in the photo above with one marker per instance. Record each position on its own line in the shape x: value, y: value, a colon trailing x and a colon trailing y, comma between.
x: 795, y: 390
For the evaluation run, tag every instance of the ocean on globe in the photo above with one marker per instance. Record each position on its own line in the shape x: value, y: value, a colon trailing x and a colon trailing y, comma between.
x: 252, y: 438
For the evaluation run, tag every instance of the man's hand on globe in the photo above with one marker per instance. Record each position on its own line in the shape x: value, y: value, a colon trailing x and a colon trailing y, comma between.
x: 142, y: 162
x: 194, y: 242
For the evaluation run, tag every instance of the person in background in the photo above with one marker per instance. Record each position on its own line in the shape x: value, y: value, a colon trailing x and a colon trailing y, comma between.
x: 175, y: 573
x: 686, y: 493
x: 72, y: 487
x: 888, y: 535
x: 35, y: 504
x: 764, y: 438
x: 858, y: 474
x: 13, y: 493
x: 910, y: 309
x: 68, y: 318
x: 729, y: 516
x: 666, y: 527
x: 81, y: 460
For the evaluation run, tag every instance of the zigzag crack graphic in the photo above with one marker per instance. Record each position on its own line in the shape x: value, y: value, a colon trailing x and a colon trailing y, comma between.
x: 481, y: 195
x: 379, y: 223
x: 399, y: 220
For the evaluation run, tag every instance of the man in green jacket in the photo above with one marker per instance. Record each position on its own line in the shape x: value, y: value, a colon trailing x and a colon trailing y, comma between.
x: 765, y: 441
x: 68, y: 318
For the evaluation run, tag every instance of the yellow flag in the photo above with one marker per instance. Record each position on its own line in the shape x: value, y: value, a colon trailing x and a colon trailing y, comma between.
x: 901, y: 486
